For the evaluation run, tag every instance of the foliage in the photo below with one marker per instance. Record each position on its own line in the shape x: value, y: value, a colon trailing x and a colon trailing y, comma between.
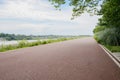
x: 15, y: 37
x: 110, y: 33
x: 22, y: 44
x: 111, y: 13
x: 7, y: 47
x: 4, y: 36
x: 79, y: 6
x: 109, y: 36
x: 108, y: 29
x: 99, y: 28
x: 25, y: 43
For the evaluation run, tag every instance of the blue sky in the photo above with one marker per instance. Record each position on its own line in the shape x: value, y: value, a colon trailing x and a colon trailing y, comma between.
x: 39, y: 17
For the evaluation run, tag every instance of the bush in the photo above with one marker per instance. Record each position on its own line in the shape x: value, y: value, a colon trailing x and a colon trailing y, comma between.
x: 22, y: 44
x: 44, y: 42
x: 109, y: 36
x: 99, y: 28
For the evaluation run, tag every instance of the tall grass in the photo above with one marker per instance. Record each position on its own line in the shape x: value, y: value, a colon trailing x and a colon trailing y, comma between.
x: 25, y: 43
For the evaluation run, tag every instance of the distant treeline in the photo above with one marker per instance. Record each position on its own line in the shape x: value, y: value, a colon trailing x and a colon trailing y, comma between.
x: 4, y: 36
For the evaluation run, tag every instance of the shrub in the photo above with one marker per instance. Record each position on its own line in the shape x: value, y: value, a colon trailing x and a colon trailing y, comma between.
x: 22, y: 44
x: 109, y: 36
x: 44, y: 42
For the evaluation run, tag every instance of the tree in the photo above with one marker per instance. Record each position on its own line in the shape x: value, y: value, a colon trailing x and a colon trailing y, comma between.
x: 79, y: 6
x: 110, y: 35
x: 107, y: 30
x: 111, y: 13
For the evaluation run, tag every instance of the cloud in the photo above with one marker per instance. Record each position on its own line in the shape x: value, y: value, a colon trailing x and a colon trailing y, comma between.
x: 40, y: 17
x: 31, y: 9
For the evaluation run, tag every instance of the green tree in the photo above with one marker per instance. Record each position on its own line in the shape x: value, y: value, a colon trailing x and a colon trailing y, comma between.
x: 111, y: 13
x: 107, y: 30
x: 110, y: 35
x: 79, y: 6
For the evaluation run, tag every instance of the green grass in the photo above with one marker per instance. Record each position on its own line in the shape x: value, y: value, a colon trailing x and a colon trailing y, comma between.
x: 25, y: 43
x: 113, y: 48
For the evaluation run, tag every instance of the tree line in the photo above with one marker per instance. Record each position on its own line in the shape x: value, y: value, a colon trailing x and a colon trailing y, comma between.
x: 5, y: 36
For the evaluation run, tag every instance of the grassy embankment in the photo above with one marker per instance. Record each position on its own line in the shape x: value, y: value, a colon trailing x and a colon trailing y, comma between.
x: 25, y: 43
x: 113, y: 48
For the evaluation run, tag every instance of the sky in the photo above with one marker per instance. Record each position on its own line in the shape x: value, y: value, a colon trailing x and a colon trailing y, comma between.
x: 39, y: 17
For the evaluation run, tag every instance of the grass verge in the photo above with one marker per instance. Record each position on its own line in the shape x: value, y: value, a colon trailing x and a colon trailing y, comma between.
x: 113, y: 48
x: 25, y: 43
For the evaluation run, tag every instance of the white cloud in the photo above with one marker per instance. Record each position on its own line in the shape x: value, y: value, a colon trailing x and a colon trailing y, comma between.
x: 32, y: 9
x: 49, y: 20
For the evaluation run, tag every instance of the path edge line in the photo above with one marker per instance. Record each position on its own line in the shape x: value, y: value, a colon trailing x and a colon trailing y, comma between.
x: 109, y: 53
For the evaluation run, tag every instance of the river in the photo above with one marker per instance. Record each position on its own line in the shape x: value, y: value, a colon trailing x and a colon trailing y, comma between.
x: 13, y: 42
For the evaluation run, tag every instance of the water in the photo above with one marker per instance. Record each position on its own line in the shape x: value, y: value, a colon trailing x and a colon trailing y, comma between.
x: 13, y: 42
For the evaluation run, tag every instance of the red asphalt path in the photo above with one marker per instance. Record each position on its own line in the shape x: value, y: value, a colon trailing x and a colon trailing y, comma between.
x: 80, y: 59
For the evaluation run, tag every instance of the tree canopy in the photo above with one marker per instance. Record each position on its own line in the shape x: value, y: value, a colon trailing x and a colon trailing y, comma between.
x: 111, y: 13
x: 79, y: 6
